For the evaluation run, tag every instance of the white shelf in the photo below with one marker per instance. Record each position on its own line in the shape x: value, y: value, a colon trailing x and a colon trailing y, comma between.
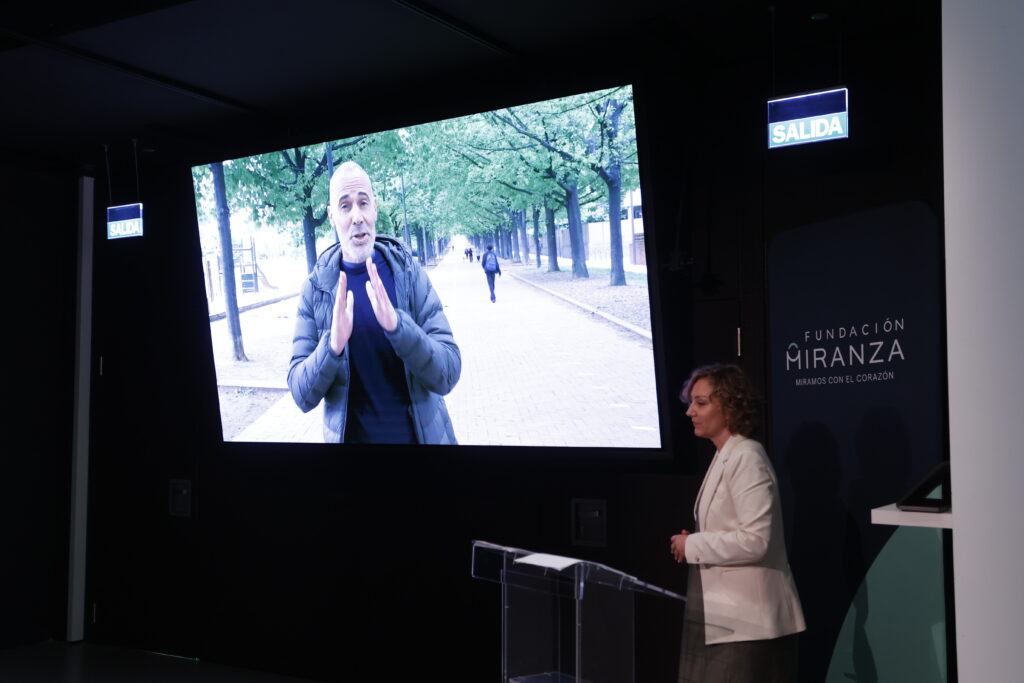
x: 890, y: 514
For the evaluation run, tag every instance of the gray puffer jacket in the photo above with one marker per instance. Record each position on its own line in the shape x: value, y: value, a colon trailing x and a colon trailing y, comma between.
x: 423, y: 341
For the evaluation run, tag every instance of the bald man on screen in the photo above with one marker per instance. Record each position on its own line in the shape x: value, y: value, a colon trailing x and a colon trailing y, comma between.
x: 371, y: 338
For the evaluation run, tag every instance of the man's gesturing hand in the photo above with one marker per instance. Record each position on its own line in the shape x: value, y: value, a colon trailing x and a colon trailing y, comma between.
x: 341, y: 325
x: 378, y: 296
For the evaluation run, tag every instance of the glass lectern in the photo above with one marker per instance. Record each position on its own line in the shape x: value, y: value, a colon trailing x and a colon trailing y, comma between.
x: 563, y: 620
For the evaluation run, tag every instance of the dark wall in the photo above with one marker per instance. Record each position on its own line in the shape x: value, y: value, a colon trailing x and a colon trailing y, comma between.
x: 330, y: 565
x: 893, y: 156
x: 304, y: 558
x: 39, y: 283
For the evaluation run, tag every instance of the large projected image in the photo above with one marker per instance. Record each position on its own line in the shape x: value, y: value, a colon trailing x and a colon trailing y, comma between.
x: 480, y: 280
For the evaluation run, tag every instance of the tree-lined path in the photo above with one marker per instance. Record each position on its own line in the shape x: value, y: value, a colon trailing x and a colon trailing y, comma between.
x: 513, y: 177
x: 536, y: 371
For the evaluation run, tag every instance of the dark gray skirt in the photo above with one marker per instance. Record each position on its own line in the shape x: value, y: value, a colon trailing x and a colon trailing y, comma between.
x: 750, y: 661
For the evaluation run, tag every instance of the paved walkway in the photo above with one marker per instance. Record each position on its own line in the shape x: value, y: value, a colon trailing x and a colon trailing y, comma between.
x: 536, y: 371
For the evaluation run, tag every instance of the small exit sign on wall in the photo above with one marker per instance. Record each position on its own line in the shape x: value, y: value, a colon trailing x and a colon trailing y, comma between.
x: 124, y: 221
x: 814, y: 117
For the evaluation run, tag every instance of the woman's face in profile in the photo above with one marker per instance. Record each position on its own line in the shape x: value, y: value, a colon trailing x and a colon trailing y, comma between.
x: 706, y: 413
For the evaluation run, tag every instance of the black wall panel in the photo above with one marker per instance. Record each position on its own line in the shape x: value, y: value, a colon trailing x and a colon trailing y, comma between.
x: 39, y: 276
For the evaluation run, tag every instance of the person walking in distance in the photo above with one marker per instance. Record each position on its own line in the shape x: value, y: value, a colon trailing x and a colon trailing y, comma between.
x: 491, y: 266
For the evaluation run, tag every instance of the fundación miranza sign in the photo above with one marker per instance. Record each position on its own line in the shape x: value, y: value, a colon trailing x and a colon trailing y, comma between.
x: 814, y: 117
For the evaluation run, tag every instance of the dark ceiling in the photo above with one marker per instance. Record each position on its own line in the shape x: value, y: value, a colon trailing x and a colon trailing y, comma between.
x: 184, y: 77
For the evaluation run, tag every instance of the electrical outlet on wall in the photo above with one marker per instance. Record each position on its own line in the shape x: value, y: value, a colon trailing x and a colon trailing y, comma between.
x: 589, y: 522
x: 180, y: 503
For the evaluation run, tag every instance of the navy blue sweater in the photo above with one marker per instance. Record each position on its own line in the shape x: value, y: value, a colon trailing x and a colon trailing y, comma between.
x: 378, y: 399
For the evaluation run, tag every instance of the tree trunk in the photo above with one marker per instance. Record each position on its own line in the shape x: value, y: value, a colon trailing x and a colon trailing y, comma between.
x: 421, y: 239
x: 614, y: 182
x: 329, y: 153
x: 405, y: 217
x: 228, y: 257
x: 549, y: 220
x: 579, y: 253
x: 524, y: 239
x: 612, y: 175
x: 513, y: 237
x: 309, y: 238
x: 536, y: 233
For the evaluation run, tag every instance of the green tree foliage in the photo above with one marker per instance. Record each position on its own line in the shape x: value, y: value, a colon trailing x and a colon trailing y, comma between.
x: 479, y: 176
x: 588, y: 138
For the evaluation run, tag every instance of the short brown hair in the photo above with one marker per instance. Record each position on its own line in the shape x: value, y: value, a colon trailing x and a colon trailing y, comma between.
x: 732, y: 388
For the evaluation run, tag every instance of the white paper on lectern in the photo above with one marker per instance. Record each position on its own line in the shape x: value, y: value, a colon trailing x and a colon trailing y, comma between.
x: 545, y: 560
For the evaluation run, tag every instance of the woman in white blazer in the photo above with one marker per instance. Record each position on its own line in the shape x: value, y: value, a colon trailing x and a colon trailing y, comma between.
x: 742, y: 611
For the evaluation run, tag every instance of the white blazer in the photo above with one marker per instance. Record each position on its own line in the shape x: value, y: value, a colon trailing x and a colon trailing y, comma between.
x: 749, y: 593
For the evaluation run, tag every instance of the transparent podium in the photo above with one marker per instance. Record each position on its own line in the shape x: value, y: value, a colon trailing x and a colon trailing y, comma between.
x: 563, y: 620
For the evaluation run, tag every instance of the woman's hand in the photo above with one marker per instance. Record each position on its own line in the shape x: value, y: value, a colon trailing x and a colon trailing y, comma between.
x: 678, y: 546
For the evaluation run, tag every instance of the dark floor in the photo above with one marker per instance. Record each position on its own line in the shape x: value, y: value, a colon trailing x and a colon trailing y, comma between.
x: 86, y: 663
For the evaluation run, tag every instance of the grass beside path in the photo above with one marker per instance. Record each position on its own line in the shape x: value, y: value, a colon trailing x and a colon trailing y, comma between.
x: 629, y: 302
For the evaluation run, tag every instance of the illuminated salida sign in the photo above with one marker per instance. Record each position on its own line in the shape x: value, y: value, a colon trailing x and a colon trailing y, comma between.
x: 124, y: 221
x: 813, y: 117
